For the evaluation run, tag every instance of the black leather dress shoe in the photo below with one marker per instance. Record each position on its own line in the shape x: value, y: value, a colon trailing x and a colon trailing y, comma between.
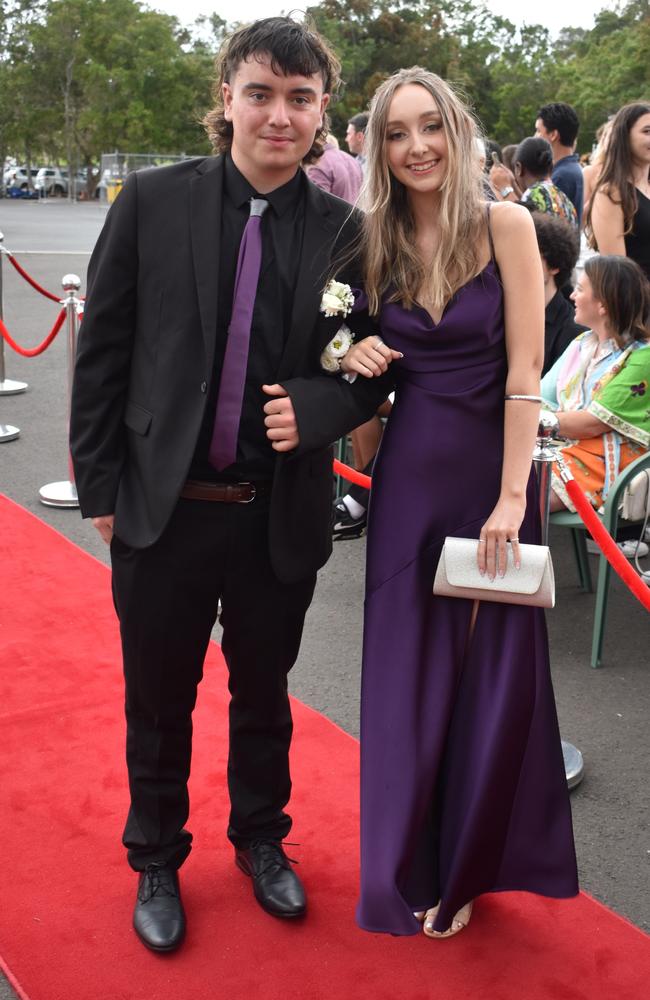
x: 277, y: 888
x: 159, y: 918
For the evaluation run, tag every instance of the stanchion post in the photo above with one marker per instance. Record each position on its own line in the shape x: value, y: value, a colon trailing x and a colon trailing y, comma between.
x: 8, y: 387
x: 64, y: 494
x: 543, y: 458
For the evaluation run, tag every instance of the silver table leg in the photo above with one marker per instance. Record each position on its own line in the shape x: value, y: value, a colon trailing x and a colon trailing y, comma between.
x: 543, y: 457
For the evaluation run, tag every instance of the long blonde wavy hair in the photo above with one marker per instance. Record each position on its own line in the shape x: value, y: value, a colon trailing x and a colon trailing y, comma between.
x: 391, y: 262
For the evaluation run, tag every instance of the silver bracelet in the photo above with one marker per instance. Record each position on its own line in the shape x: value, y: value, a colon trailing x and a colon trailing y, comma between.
x: 526, y: 399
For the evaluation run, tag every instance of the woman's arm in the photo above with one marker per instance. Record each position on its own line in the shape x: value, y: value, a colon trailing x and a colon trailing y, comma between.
x: 523, y: 292
x: 608, y: 224
x: 580, y: 425
x: 588, y: 178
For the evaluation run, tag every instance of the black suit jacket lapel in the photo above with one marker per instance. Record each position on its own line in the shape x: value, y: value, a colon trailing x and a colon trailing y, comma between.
x: 318, y: 237
x: 205, y: 223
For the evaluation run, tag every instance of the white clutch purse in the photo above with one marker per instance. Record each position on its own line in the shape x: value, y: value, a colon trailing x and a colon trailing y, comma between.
x: 458, y: 575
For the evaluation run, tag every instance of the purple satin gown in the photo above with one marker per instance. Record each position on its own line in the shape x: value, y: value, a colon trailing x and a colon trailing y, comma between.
x: 462, y: 778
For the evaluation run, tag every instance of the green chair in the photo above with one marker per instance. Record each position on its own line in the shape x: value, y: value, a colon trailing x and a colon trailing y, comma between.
x: 610, y: 518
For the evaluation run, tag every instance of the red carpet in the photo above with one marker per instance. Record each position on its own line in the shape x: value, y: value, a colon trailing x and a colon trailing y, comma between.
x: 67, y: 893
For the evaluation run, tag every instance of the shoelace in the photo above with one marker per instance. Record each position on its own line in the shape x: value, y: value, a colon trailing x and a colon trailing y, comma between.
x: 157, y: 881
x: 271, y: 855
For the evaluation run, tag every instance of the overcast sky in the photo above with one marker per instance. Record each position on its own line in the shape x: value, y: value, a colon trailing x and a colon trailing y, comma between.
x: 554, y: 14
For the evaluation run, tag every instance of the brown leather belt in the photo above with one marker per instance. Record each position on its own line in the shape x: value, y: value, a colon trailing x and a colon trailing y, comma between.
x: 224, y: 492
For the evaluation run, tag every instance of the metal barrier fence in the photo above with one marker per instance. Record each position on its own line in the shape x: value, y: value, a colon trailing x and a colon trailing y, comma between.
x: 62, y: 493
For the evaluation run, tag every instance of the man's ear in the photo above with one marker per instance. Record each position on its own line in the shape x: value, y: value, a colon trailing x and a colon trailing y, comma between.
x: 226, y: 93
x: 553, y: 136
x: 325, y: 99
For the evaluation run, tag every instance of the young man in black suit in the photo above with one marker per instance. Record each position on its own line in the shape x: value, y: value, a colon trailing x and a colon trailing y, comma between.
x: 187, y: 531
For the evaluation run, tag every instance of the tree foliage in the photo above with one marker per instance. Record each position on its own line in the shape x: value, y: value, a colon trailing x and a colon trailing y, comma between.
x: 89, y: 76
x: 507, y: 73
x: 83, y: 77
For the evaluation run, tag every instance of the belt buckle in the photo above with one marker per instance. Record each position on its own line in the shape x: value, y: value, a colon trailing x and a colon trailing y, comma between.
x: 253, y: 493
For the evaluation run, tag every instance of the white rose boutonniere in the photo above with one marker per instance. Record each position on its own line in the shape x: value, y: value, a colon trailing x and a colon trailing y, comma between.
x: 337, y: 300
x: 330, y: 359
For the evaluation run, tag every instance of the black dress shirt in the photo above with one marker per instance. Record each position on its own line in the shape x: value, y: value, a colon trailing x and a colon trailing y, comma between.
x: 560, y: 328
x: 282, y: 230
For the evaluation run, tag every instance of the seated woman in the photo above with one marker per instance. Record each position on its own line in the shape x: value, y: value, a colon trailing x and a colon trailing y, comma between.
x: 600, y: 386
x: 533, y: 168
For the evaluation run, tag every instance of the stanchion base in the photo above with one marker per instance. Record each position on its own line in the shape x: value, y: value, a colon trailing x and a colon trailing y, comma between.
x: 8, y: 433
x: 62, y: 494
x: 10, y: 388
x: 574, y: 766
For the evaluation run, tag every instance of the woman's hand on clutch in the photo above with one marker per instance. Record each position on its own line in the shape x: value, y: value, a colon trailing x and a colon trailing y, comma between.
x: 370, y: 357
x: 501, y: 527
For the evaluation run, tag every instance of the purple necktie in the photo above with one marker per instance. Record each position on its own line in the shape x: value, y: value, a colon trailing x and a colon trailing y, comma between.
x: 223, y: 448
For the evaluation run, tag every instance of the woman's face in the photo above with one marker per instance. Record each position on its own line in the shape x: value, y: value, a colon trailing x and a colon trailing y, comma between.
x: 415, y: 141
x: 589, y: 310
x: 640, y: 140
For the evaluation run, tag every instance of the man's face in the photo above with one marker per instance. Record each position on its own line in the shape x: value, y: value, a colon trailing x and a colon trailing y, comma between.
x: 274, y: 119
x: 354, y: 140
x: 541, y: 132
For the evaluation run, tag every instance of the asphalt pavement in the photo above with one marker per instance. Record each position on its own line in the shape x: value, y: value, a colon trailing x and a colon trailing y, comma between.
x: 604, y: 712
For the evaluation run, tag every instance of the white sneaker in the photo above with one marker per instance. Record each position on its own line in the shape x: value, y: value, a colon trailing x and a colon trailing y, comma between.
x: 630, y: 550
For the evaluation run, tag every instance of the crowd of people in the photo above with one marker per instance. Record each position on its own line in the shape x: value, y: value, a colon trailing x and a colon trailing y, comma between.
x: 201, y: 431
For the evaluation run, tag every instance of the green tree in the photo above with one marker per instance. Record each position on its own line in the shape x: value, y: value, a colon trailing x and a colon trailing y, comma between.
x: 103, y: 74
x: 15, y: 18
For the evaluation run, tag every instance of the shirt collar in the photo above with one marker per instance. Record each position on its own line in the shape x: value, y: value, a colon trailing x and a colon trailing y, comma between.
x: 571, y: 158
x: 240, y: 191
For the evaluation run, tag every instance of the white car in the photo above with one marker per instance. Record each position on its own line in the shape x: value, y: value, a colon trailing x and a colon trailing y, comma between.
x: 52, y: 181
x: 17, y: 177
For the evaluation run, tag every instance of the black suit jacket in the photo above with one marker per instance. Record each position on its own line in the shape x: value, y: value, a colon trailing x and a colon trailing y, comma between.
x: 145, y: 355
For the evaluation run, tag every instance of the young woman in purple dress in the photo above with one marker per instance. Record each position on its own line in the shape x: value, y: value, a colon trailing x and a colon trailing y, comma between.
x: 463, y: 788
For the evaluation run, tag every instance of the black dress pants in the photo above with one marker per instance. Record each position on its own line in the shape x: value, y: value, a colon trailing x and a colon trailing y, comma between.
x: 166, y: 597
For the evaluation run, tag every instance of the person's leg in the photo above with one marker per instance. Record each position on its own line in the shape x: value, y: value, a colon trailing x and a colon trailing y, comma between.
x: 365, y: 441
x: 166, y: 597
x: 262, y: 622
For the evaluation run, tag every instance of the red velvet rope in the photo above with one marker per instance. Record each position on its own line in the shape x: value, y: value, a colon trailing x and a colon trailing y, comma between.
x: 346, y: 472
x: 597, y: 530
x: 608, y: 546
x: 31, y: 352
x: 34, y: 284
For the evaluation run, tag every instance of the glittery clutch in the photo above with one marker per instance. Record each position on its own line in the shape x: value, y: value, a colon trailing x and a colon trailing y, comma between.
x: 458, y: 575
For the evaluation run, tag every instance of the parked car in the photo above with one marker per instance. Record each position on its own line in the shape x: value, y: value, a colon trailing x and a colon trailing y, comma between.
x: 52, y: 181
x: 16, y: 177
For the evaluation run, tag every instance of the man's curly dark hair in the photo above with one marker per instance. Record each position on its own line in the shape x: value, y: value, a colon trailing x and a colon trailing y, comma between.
x: 559, y: 244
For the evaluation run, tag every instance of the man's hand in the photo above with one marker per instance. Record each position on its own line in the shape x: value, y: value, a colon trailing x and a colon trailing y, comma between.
x: 104, y: 526
x: 280, y: 420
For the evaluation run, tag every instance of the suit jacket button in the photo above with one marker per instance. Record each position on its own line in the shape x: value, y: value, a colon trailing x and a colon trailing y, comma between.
x: 204, y: 386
